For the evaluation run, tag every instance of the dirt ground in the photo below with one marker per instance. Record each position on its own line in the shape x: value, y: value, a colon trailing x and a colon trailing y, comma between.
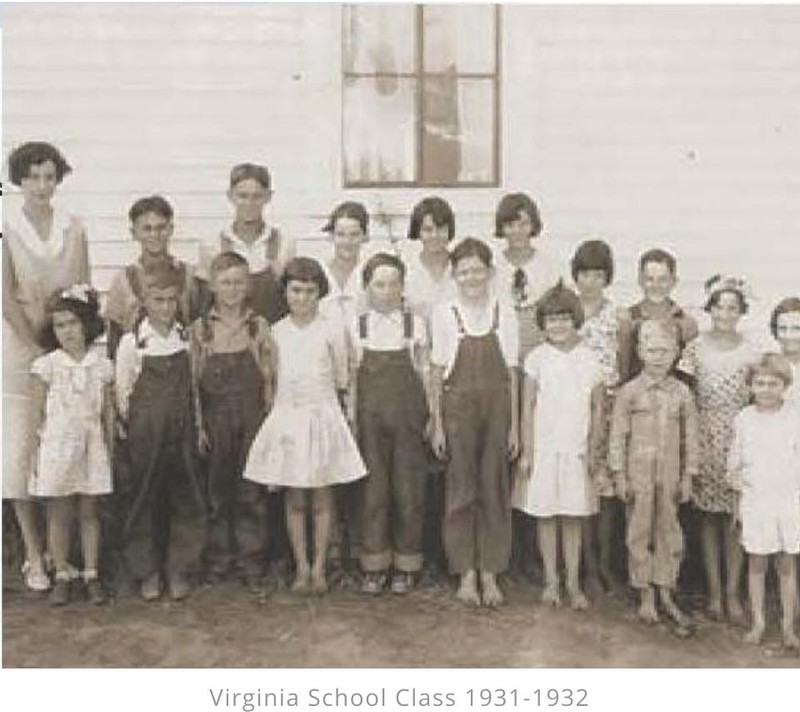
x: 226, y: 626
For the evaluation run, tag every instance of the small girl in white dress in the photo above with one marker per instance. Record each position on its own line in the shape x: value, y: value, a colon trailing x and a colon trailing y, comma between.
x: 764, y: 470
x: 562, y: 419
x: 72, y: 461
x: 305, y: 443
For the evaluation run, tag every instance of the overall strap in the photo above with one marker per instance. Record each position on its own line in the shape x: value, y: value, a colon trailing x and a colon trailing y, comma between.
x: 459, y: 321
x: 134, y: 282
x: 496, y: 317
x: 362, y: 326
x: 273, y: 245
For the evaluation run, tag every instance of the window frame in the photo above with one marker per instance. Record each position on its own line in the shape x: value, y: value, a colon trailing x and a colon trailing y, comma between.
x: 419, y: 75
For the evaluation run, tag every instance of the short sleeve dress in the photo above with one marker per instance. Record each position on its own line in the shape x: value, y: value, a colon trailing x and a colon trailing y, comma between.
x: 521, y: 287
x: 32, y: 269
x: 764, y: 465
x: 559, y: 482
x: 72, y: 458
x: 721, y: 393
x: 305, y: 441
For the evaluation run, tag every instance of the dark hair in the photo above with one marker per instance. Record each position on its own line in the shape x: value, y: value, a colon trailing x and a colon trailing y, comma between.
x: 773, y: 363
x: 559, y: 300
x: 246, y: 171
x: 34, y: 153
x: 440, y: 211
x: 784, y: 306
x: 151, y: 204
x: 713, y: 299
x: 382, y: 259
x: 164, y: 276
x: 471, y: 247
x: 227, y: 260
x: 593, y: 254
x: 662, y: 257
x: 305, y: 269
x: 349, y: 209
x: 509, y: 208
x: 71, y: 300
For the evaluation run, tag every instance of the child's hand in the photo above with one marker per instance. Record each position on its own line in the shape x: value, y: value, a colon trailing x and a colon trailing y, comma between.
x: 686, y: 491
x: 513, y: 444
x: 430, y: 427
x: 523, y: 468
x: 122, y: 429
x: 439, y: 441
x: 623, y: 491
x: 203, y: 441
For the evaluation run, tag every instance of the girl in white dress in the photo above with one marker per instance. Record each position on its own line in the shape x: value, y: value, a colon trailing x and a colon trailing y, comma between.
x: 764, y: 469
x: 562, y: 418
x: 73, y: 464
x: 305, y: 443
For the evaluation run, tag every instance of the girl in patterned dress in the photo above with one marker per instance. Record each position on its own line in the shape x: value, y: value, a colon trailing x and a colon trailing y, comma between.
x: 718, y: 361
x: 72, y: 466
x: 593, y: 270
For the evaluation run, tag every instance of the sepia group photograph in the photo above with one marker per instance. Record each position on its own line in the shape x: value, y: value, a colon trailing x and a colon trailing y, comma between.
x: 388, y: 336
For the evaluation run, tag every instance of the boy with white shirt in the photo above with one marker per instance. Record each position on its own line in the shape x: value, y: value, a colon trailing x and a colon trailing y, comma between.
x: 475, y: 406
x: 390, y: 369
x: 157, y: 416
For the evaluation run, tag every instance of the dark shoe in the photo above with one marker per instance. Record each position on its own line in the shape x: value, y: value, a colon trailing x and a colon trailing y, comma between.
x: 402, y: 582
x: 61, y: 592
x: 95, y: 593
x: 178, y: 586
x: 151, y: 587
x: 374, y: 583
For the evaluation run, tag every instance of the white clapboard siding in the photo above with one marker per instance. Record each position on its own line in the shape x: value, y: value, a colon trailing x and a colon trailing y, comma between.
x: 646, y: 126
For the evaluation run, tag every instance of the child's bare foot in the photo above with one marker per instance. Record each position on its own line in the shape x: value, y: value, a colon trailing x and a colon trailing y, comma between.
x: 302, y: 581
x: 468, y: 589
x: 577, y: 599
x: 491, y: 596
x: 790, y: 640
x: 714, y: 609
x: 319, y: 582
x: 647, y: 608
x: 551, y: 595
x: 675, y: 613
x: 755, y: 634
x: 735, y: 611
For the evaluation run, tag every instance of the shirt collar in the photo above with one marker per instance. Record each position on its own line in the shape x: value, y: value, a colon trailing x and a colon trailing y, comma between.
x: 146, y: 331
x: 240, y: 244
x: 649, y: 382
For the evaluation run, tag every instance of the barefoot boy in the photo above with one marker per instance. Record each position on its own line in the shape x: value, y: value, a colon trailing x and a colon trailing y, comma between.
x: 653, y: 455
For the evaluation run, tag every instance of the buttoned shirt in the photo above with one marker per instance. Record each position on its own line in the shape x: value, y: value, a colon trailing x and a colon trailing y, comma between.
x: 223, y: 335
x: 132, y: 351
x: 654, y: 430
x: 386, y: 332
x: 257, y: 252
x: 477, y: 322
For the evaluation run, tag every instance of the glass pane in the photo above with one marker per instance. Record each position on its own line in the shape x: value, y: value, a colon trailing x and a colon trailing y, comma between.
x: 459, y: 38
x: 379, y: 39
x: 458, y: 131
x: 379, y: 129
